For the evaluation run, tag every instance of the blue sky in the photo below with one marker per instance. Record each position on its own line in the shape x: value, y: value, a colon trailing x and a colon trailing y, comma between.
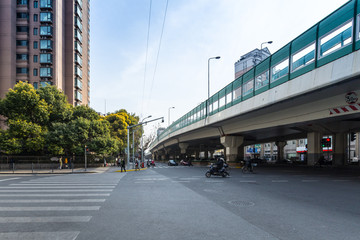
x: 194, y: 31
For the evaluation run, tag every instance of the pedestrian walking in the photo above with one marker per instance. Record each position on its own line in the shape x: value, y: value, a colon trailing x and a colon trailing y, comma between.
x: 60, y: 163
x: 137, y: 165
x: 123, y: 165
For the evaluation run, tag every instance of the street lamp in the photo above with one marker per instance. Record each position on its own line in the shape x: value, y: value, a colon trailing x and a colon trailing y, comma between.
x: 142, y: 141
x: 169, y: 115
x: 218, y: 57
x: 269, y: 42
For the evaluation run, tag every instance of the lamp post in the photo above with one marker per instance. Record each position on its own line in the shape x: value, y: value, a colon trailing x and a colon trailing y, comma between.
x: 142, y: 141
x: 169, y: 115
x: 207, y: 108
x: 269, y: 42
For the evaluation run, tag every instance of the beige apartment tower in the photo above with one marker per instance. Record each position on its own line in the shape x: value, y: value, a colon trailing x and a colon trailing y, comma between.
x: 46, y: 41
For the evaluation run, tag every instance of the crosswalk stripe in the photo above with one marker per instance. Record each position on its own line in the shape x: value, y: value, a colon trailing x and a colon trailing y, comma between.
x: 66, y: 184
x: 39, y: 235
x: 8, y: 179
x: 68, y: 187
x: 56, y: 195
x: 57, y: 190
x: 56, y: 208
x: 91, y: 200
x: 45, y: 219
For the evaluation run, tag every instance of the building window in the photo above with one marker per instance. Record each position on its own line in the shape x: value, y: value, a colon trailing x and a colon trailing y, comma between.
x: 35, y: 85
x: 36, y: 4
x: 22, y: 29
x: 36, y: 31
x: 36, y: 17
x: 35, y: 60
x: 22, y: 2
x: 23, y: 57
x: 45, y: 83
x: 35, y: 44
x: 46, y: 4
x: 46, y: 44
x: 46, y: 17
x: 22, y: 70
x: 22, y: 43
x: 22, y: 15
x: 46, y: 30
x: 45, y: 72
x: 45, y: 58
x: 35, y: 71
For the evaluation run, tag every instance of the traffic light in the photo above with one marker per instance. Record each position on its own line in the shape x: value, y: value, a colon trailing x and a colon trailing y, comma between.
x: 326, y: 142
x: 352, y: 136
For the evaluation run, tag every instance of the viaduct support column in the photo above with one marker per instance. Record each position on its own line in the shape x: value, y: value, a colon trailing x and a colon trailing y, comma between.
x: 339, y: 149
x: 314, y: 148
x: 280, y: 150
x: 232, y: 143
x: 183, y: 147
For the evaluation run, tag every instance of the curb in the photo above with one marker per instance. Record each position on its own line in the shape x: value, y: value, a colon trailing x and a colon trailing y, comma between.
x: 132, y: 170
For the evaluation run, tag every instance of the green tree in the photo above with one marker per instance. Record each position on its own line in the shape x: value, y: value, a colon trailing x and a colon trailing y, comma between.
x: 23, y: 103
x: 58, y: 107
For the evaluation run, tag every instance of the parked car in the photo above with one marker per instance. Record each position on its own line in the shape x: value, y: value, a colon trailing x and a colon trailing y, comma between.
x: 172, y: 163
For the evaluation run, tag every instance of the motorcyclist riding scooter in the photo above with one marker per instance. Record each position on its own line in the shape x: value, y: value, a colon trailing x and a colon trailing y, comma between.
x: 220, y: 169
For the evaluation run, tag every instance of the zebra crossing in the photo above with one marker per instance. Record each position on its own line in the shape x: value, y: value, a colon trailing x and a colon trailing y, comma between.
x: 52, y: 207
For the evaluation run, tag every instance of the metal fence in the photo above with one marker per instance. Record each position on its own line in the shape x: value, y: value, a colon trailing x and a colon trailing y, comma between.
x: 51, y: 164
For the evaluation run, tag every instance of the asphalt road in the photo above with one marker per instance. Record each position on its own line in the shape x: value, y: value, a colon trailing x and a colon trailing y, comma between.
x: 180, y: 203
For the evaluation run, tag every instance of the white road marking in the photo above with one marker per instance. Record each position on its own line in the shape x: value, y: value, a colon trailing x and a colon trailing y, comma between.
x: 180, y: 181
x: 91, y: 200
x: 279, y: 181
x: 214, y: 181
x: 58, y: 190
x: 309, y: 180
x: 56, y: 187
x: 8, y: 179
x: 61, y: 184
x: 45, y: 219
x: 56, y: 195
x: 55, y: 208
x: 248, y: 181
x: 39, y: 235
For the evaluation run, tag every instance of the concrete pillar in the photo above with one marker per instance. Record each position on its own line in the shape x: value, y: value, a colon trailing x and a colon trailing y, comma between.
x: 232, y: 144
x: 206, y: 154
x: 280, y: 150
x: 314, y: 147
x: 183, y: 147
x: 339, y: 149
x: 211, y: 153
x: 197, y: 153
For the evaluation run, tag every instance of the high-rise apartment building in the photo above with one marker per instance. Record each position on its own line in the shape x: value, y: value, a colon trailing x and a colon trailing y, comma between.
x: 46, y: 41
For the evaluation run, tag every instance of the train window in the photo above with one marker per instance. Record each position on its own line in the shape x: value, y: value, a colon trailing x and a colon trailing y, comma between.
x: 303, y: 57
x: 262, y: 80
x: 279, y: 70
x: 337, y: 39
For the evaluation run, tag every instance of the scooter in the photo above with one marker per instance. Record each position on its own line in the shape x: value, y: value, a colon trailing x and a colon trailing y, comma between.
x: 214, y: 171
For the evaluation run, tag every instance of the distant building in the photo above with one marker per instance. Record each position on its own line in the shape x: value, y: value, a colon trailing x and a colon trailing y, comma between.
x: 249, y: 60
